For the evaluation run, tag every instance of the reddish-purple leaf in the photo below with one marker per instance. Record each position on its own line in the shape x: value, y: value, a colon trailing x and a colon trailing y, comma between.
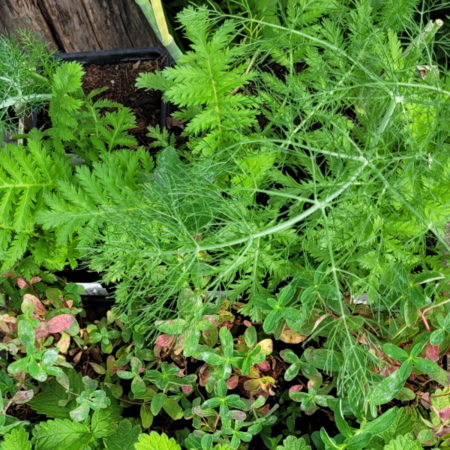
x: 35, y: 280
x: 445, y: 413
x: 443, y: 432
x: 187, y: 389
x: 425, y: 400
x: 22, y: 397
x: 42, y: 330
x: 39, y: 308
x: 21, y: 282
x: 232, y: 382
x: 296, y: 388
x: 60, y: 323
x: 432, y: 352
x: 164, y: 340
x: 264, y: 366
x: 237, y: 415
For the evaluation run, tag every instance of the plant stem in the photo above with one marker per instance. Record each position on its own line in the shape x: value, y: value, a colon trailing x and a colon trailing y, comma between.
x: 154, y: 14
x: 27, y: 99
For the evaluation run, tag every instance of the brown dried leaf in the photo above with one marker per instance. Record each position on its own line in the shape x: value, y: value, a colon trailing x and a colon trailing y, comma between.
x: 291, y: 337
x: 266, y: 346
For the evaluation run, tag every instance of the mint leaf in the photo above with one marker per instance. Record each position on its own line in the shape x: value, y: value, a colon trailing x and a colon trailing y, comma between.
x: 154, y: 441
x: 18, y: 439
x: 61, y: 435
x: 47, y: 402
x: 404, y: 443
x: 125, y: 437
x: 103, y: 421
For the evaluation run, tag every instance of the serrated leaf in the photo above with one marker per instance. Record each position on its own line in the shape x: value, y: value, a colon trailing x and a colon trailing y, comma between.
x: 124, y: 438
x: 18, y: 439
x: 61, y: 435
x: 404, y: 443
x: 103, y: 420
x: 154, y: 441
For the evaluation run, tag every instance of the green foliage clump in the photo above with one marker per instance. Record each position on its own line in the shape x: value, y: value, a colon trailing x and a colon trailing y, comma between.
x: 205, y: 83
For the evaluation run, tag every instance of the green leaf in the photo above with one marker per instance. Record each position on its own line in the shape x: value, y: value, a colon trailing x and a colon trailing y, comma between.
x: 80, y: 413
x: 250, y: 337
x: 61, y: 435
x: 411, y: 313
x: 342, y: 425
x: 395, y: 352
x: 381, y: 423
x: 324, y: 359
x: 146, y: 416
x: 48, y: 400
x: 226, y: 339
x: 404, y: 443
x: 36, y: 371
x: 286, y: 295
x: 260, y: 301
x: 191, y: 341
x: 359, y: 441
x: 103, y: 420
x: 271, y: 321
x: 330, y: 443
x: 26, y: 333
x: 19, y: 365
x: 292, y: 372
x: 425, y: 365
x: 388, y: 388
x: 427, y: 277
x: 293, y: 443
x: 124, y: 438
x: 138, y: 386
x: 154, y: 441
x: 417, y: 296
x: 157, y: 403
x: 437, y: 337
x: 18, y: 439
x: 208, y: 355
x: 172, y: 408
x: 403, y: 424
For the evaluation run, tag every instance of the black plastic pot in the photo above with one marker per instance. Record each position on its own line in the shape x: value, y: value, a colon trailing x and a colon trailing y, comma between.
x: 111, y: 57
x: 100, y: 58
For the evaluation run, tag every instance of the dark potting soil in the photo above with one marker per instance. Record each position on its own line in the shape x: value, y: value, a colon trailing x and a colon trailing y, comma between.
x: 120, y: 79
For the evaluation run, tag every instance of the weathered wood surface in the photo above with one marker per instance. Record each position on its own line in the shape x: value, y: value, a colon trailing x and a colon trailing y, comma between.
x: 80, y: 25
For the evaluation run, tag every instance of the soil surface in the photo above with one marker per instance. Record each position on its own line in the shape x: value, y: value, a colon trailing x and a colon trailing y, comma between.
x: 120, y: 79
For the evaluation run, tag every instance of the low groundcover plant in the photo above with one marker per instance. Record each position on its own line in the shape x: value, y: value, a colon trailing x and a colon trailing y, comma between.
x: 280, y: 270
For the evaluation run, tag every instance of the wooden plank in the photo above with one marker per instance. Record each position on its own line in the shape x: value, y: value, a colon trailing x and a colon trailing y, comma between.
x: 137, y: 28
x: 80, y: 25
x: 70, y: 22
x: 25, y: 14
